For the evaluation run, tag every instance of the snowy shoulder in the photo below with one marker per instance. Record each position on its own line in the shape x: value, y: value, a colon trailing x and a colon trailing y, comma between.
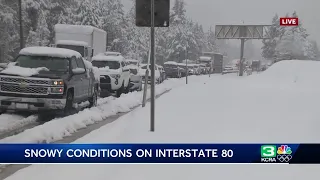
x: 21, y: 71
x: 50, y: 52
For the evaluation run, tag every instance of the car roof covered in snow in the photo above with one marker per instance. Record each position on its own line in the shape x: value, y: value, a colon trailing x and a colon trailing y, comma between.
x: 50, y: 52
x: 101, y: 57
x: 205, y: 58
x: 110, y: 53
x: 75, y: 29
x: 71, y: 42
x: 132, y: 60
x: 171, y: 63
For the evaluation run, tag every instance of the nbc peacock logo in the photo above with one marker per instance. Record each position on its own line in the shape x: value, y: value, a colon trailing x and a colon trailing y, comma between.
x: 284, y: 153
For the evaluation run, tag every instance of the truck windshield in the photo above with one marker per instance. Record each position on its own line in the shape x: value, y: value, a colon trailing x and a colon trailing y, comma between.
x: 110, y: 64
x: 79, y: 49
x: 52, y: 63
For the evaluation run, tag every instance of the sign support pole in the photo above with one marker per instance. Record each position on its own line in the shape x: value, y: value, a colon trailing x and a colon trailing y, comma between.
x: 187, y: 70
x: 152, y: 53
x: 241, y: 58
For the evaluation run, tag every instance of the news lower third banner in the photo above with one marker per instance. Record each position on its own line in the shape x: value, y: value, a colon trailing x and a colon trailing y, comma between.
x: 159, y: 153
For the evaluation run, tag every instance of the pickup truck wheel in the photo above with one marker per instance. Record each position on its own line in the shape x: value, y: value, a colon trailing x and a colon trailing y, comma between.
x: 94, y: 99
x: 69, y: 103
x: 120, y: 91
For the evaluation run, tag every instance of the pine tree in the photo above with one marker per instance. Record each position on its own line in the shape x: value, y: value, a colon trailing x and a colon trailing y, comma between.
x: 269, y: 45
x: 88, y: 13
x: 294, y: 44
x: 8, y: 33
x: 114, y: 23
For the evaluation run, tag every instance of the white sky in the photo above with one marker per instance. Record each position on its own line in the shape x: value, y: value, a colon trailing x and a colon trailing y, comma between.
x: 211, y: 12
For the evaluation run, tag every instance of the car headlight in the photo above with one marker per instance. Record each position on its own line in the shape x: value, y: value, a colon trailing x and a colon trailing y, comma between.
x: 56, y: 90
x: 57, y: 83
x: 115, y: 76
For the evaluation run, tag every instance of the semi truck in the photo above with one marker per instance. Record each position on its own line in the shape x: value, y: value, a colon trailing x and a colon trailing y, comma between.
x: 87, y: 40
x: 215, y: 60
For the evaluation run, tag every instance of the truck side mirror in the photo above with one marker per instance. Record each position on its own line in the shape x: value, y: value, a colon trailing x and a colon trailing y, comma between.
x: 92, y: 51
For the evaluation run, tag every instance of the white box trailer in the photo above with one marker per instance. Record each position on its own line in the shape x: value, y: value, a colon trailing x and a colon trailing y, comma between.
x: 87, y: 40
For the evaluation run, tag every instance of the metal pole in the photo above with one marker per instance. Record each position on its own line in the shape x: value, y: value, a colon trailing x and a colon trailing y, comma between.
x: 152, y: 113
x: 146, y: 79
x: 21, y: 27
x: 241, y: 58
x: 187, y: 70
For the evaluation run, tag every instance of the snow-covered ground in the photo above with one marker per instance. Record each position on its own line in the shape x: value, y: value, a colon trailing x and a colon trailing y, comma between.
x: 277, y: 106
x: 9, y: 122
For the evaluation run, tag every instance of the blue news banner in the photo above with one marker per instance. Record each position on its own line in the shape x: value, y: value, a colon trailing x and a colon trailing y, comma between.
x: 159, y: 153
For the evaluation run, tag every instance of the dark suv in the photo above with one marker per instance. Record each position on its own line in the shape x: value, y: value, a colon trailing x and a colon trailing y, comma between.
x: 46, y: 79
x: 172, y: 69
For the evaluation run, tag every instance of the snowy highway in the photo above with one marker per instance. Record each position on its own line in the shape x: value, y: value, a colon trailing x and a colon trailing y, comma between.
x: 278, y: 105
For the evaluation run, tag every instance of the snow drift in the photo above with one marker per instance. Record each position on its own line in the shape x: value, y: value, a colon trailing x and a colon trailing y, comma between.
x: 302, y: 73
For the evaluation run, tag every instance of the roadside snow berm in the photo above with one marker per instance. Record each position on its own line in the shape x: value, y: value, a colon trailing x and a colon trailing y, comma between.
x: 304, y: 72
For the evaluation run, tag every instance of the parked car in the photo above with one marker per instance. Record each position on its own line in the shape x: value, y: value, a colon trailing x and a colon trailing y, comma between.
x: 203, y: 69
x: 162, y: 73
x: 183, y: 69
x: 191, y: 69
x: 114, y: 75
x: 228, y: 68
x: 197, y: 69
x: 172, y: 69
x: 47, y: 80
x: 135, y: 78
x: 143, y: 69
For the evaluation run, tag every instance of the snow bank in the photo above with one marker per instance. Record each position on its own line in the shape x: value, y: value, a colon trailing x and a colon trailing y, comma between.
x: 62, y: 127
x: 49, y: 51
x: 9, y: 122
x: 71, y: 42
x: 289, y: 73
x: 21, y: 71
x: 107, y: 58
x: 76, y: 29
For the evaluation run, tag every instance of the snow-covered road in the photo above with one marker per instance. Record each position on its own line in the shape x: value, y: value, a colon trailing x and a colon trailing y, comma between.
x: 279, y: 105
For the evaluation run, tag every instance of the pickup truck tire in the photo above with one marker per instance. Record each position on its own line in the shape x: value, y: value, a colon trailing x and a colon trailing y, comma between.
x: 120, y: 91
x: 94, y: 99
x: 69, y: 103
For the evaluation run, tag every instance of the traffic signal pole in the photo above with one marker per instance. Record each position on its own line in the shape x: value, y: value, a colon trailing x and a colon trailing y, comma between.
x: 152, y: 59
